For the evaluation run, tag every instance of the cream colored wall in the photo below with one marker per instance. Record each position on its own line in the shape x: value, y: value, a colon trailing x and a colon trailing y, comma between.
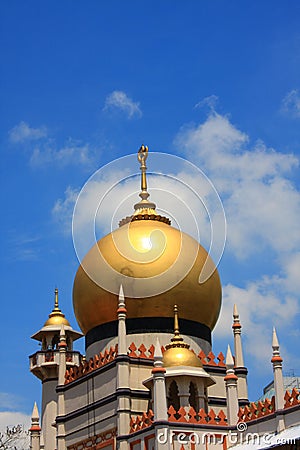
x: 49, y: 412
x: 218, y: 389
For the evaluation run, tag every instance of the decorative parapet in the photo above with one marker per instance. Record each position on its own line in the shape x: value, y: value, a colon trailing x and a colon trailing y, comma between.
x: 183, y: 415
x: 189, y: 415
x: 206, y: 360
x: 259, y: 409
x: 140, y: 422
x: 134, y: 352
x: 92, y: 364
x: 255, y: 410
x: 292, y: 398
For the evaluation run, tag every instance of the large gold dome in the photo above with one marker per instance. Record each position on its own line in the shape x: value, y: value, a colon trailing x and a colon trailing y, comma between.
x: 146, y: 249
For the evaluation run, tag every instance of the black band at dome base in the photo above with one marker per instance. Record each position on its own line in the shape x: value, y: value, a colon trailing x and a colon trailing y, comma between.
x: 148, y: 325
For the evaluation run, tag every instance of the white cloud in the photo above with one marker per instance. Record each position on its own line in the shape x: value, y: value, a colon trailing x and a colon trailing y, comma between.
x: 46, y: 152
x: 210, y: 101
x: 23, y: 132
x: 119, y: 100
x: 73, y: 153
x: 291, y: 103
x: 262, y: 207
x: 62, y: 210
x: 261, y: 203
x: 262, y: 304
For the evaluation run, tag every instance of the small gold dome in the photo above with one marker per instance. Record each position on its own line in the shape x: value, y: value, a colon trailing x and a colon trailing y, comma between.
x: 56, y: 317
x: 180, y: 356
x: 178, y: 353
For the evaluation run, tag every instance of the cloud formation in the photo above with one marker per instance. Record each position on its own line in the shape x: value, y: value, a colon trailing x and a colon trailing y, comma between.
x: 262, y: 207
x: 72, y: 153
x: 291, y: 103
x: 23, y: 132
x: 44, y: 151
x: 119, y: 100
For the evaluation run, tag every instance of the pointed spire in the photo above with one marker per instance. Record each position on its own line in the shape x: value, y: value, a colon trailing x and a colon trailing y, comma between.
x: 35, y: 424
x: 275, y: 343
x: 229, y: 358
x: 276, y: 348
x: 35, y: 413
x: 278, y: 380
x: 237, y: 331
x: 121, y: 311
x: 157, y: 351
x: 235, y: 312
x: 121, y: 299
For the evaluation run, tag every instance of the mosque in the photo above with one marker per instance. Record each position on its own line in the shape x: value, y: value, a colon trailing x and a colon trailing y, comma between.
x: 150, y: 378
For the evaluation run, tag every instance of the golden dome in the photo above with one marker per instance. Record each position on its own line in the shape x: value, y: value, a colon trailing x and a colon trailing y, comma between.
x: 178, y: 353
x: 56, y: 317
x: 158, y: 266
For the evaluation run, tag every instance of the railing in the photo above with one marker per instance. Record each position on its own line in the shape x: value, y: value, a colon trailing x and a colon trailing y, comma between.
x: 183, y: 415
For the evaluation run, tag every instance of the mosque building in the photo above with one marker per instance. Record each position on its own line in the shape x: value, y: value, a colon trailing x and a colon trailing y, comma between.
x: 150, y: 378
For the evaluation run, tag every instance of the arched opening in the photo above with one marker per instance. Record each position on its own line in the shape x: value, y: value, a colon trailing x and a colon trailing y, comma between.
x: 173, y: 397
x: 193, y: 398
x: 55, y: 342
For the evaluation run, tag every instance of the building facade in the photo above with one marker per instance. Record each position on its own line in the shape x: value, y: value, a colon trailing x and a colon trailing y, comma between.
x: 150, y: 378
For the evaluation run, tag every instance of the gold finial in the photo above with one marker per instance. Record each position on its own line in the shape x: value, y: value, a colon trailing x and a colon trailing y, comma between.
x: 56, y: 307
x: 144, y: 194
x: 177, y: 336
x: 142, y: 156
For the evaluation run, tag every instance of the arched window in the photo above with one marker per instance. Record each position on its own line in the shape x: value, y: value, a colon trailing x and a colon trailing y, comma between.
x: 193, y: 398
x: 55, y: 342
x: 173, y: 397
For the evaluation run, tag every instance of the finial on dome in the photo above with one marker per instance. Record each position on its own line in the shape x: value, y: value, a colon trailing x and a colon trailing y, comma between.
x: 177, y: 336
x: 144, y: 209
x: 144, y: 194
x: 56, y: 307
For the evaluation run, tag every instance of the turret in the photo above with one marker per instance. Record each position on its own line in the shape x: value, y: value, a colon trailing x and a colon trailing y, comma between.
x: 240, y: 370
x: 35, y: 429
x: 231, y: 389
x: 123, y: 389
x: 278, y: 382
x: 44, y: 364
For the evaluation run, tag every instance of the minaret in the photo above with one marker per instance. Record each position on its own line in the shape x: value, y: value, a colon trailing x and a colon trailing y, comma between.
x: 231, y: 390
x: 35, y: 429
x: 44, y: 364
x: 123, y: 388
x: 61, y: 444
x: 240, y: 370
x: 278, y: 382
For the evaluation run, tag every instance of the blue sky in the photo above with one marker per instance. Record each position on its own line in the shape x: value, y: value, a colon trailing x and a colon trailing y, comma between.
x: 84, y: 83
